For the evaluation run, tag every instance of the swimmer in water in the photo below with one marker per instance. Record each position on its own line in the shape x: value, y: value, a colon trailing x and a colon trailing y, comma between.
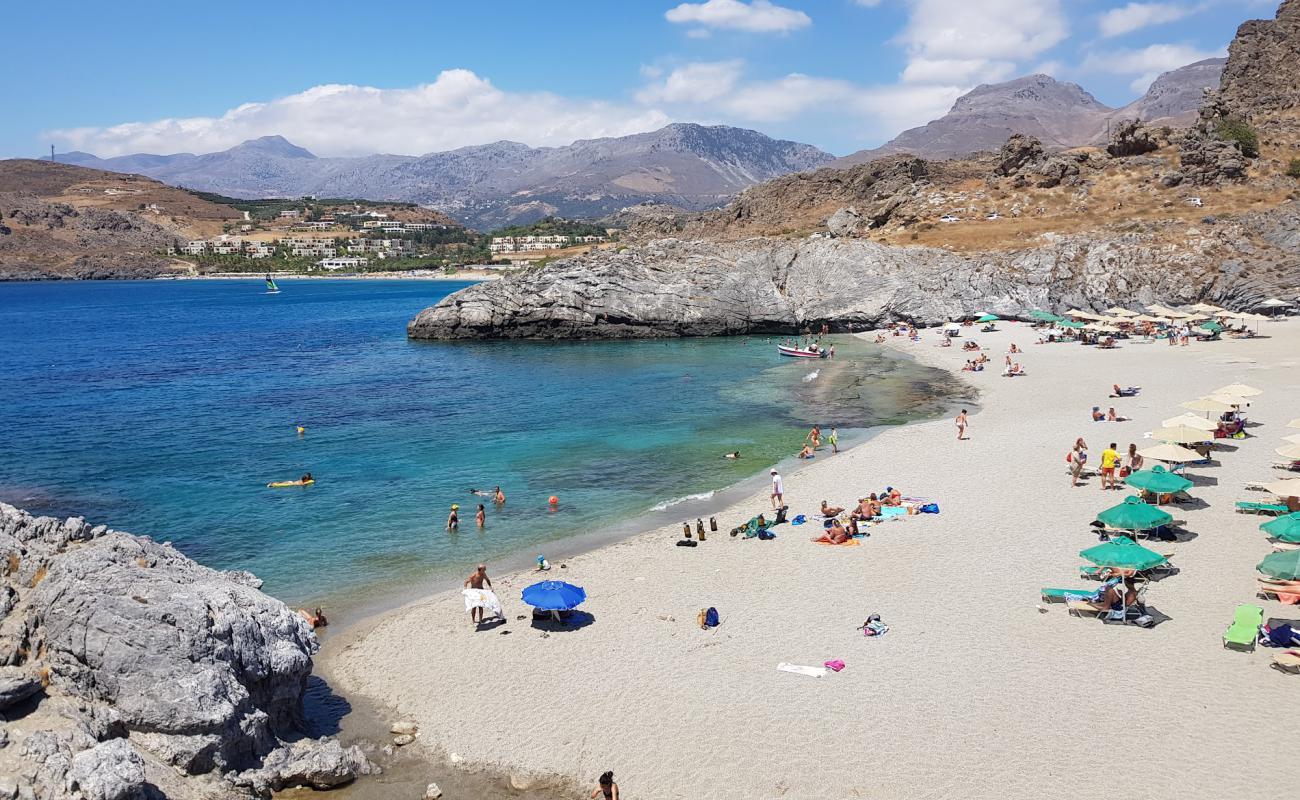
x: 481, y: 516
x: 306, y: 478
x: 732, y: 455
x: 301, y: 430
x: 480, y: 492
x: 499, y: 497
x: 453, y: 519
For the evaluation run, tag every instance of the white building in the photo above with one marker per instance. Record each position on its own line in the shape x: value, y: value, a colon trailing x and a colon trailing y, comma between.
x: 195, y: 248
x: 344, y: 262
x: 292, y: 213
x: 384, y: 248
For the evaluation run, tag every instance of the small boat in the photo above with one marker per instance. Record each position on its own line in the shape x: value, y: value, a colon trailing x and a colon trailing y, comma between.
x: 795, y: 352
x: 271, y: 288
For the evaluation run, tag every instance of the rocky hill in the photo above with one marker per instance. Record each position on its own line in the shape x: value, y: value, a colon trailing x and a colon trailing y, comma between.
x: 487, y: 186
x: 1260, y: 82
x: 1060, y: 115
x: 127, y: 671
x: 59, y: 220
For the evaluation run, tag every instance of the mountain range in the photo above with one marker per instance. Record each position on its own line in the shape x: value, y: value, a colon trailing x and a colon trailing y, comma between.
x: 694, y: 167
x: 486, y: 186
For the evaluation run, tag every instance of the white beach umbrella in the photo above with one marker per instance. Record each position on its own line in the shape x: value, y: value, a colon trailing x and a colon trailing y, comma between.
x: 1207, y: 405
x: 1171, y: 453
x: 1180, y: 434
x: 1289, y: 451
x: 1239, y: 389
x: 1191, y: 421
x: 1273, y: 302
x: 1205, y: 308
x: 1287, y: 487
x: 1121, y: 312
x: 1293, y: 438
x: 1230, y: 399
x: 1079, y: 314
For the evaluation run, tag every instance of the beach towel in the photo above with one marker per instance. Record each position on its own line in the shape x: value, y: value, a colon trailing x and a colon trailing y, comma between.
x: 850, y: 543
x: 799, y: 520
x: 811, y: 672
x: 484, y: 599
x: 834, y: 665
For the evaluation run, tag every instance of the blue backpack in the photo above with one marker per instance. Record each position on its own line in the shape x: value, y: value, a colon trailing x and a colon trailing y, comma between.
x: 711, y: 618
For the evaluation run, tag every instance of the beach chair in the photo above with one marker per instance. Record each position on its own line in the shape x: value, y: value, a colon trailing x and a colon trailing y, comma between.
x: 1247, y: 507
x: 1280, y: 547
x: 1083, y: 608
x: 1287, y: 662
x: 1285, y: 592
x: 1064, y: 595
x: 1244, y: 630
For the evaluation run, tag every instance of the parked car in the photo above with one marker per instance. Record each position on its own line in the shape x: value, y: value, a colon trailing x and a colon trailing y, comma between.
x: 950, y: 218
x: 1195, y: 201
x: 993, y: 215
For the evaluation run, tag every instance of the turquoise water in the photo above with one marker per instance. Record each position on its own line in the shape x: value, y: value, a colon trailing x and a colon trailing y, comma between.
x: 164, y: 408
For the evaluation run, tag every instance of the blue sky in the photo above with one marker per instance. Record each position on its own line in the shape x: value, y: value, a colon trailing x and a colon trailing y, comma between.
x: 350, y: 78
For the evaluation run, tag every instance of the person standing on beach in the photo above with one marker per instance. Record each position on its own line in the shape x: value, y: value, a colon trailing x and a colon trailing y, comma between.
x: 481, y: 516
x: 815, y: 437
x: 1109, y: 460
x: 962, y: 422
x: 478, y: 579
x: 834, y: 439
x: 778, y: 489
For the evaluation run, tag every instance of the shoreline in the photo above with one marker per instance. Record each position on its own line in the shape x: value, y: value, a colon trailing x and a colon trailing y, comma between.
x: 662, y: 673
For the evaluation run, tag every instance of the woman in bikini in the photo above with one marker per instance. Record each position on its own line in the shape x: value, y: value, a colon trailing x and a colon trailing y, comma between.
x: 606, y: 788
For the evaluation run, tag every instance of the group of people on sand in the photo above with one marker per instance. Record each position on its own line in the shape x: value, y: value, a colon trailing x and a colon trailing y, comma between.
x: 868, y: 508
x: 1114, y: 465
x: 813, y: 441
x: 1109, y: 416
x: 480, y: 516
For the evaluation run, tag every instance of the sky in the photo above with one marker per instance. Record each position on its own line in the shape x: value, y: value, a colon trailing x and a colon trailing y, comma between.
x: 346, y: 79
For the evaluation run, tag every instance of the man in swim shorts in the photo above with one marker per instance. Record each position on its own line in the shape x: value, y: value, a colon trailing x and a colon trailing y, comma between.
x: 478, y: 579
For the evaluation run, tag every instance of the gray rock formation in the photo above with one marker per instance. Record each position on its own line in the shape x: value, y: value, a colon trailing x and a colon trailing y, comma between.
x: 161, y: 660
x: 16, y: 683
x: 1204, y: 157
x: 1023, y: 159
x: 486, y: 186
x: 1259, y: 81
x: 1129, y: 137
x: 705, y: 288
x: 845, y: 222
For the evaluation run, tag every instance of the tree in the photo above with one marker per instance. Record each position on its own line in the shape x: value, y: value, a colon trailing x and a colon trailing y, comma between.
x: 1293, y: 169
x: 1239, y: 132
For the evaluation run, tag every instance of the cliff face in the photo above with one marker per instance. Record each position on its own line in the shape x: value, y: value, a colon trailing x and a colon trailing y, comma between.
x: 128, y: 663
x: 1261, y: 80
x: 703, y: 288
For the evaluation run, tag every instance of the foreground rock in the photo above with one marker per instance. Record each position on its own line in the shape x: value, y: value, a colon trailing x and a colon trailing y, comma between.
x: 671, y: 287
x: 153, y: 662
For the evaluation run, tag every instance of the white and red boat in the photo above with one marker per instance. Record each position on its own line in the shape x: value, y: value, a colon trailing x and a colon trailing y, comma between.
x: 795, y: 352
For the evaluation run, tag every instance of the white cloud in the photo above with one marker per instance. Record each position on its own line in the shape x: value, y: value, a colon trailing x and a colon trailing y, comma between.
x: 985, y: 38
x: 787, y: 97
x: 1146, y: 63
x: 1135, y: 16
x: 698, y: 82
x: 459, y: 108
x: 757, y: 16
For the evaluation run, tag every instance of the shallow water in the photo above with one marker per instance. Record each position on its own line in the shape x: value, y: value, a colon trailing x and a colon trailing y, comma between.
x: 164, y: 408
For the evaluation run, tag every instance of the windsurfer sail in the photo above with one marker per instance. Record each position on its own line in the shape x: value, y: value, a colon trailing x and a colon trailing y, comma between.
x: 271, y: 288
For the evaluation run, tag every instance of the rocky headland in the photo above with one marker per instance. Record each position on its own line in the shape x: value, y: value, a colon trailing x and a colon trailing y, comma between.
x: 129, y: 671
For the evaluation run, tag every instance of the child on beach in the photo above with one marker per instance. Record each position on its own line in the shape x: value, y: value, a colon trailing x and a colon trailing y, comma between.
x: 962, y: 422
x: 834, y: 439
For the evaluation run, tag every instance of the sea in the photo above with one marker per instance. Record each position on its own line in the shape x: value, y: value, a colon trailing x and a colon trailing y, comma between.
x: 164, y: 408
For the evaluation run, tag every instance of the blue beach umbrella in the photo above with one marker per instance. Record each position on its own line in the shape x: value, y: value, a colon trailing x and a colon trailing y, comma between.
x: 554, y: 595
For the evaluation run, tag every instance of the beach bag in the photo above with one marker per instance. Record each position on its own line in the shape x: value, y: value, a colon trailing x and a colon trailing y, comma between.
x: 1069, y: 457
x: 1281, y: 636
x: 765, y: 534
x: 711, y: 618
x: 687, y: 543
x: 930, y: 508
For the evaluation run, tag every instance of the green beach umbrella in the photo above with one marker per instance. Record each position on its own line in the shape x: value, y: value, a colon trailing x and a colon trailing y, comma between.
x: 1285, y: 529
x: 1069, y: 323
x: 1045, y: 316
x: 988, y: 318
x: 1123, y: 553
x: 1158, y: 480
x: 1134, y: 515
x: 1283, y: 566
x: 1211, y: 326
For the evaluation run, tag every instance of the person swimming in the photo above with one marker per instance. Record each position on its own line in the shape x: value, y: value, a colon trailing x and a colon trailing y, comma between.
x: 480, y: 492
x: 734, y: 455
x: 306, y: 478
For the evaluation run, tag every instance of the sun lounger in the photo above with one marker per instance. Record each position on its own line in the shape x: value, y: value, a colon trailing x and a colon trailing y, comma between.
x: 1261, y: 508
x: 1244, y: 630
x: 1284, y: 592
x: 1062, y: 595
x: 1287, y: 662
x: 1082, y: 608
x: 1287, y: 465
x: 1279, y: 547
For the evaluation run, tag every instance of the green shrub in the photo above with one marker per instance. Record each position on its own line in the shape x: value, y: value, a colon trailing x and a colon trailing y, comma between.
x: 1293, y: 169
x: 1239, y: 132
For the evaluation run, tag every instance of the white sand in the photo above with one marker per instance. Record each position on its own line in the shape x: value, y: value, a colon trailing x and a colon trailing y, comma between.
x: 973, y: 694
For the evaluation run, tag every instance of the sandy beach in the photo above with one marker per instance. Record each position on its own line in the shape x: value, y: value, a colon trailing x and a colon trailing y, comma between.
x: 974, y: 692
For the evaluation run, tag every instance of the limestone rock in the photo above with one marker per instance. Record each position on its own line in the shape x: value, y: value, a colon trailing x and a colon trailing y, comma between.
x: 405, y: 726
x: 403, y: 739
x: 16, y: 685
x: 1259, y: 80
x: 432, y: 792
x: 1018, y: 152
x: 108, y: 771
x: 319, y: 764
x: 1130, y: 137
x: 844, y: 222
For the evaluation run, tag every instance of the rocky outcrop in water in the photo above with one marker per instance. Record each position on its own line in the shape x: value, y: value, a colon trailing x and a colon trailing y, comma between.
x: 148, y: 664
x: 672, y: 287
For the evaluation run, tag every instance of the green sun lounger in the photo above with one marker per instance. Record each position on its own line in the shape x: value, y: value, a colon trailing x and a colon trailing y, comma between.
x: 1244, y: 630
x: 1261, y: 508
x: 1061, y: 595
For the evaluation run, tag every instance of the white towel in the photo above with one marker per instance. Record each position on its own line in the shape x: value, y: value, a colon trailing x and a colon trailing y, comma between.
x: 484, y: 599
x: 811, y: 672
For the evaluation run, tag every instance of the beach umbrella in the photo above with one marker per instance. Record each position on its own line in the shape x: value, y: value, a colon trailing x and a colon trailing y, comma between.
x: 1191, y: 421
x: 554, y: 595
x: 1289, y: 451
x: 1134, y: 515
x: 1067, y: 323
x: 1082, y: 314
x: 1295, y: 423
x: 1287, y: 487
x: 1207, y: 405
x: 1158, y: 480
x: 1213, y: 327
x: 1181, y: 434
x: 1293, y: 438
x: 1124, y: 553
x: 1230, y: 399
x: 1239, y: 390
x: 1171, y: 453
x: 1045, y: 316
x: 987, y: 318
x: 1286, y: 529
x: 1121, y: 312
x: 1283, y: 566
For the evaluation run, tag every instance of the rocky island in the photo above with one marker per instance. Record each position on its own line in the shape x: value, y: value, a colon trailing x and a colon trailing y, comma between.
x: 130, y: 671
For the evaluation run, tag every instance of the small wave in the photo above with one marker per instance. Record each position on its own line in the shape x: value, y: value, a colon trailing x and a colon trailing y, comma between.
x: 667, y: 504
x: 811, y: 376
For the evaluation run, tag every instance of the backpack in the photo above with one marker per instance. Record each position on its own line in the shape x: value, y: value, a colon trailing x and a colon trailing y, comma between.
x: 711, y: 617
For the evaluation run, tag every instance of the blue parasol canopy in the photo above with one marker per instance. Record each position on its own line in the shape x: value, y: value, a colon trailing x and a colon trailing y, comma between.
x: 554, y: 595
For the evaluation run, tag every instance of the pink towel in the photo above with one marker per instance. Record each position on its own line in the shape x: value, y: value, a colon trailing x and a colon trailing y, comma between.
x: 834, y: 666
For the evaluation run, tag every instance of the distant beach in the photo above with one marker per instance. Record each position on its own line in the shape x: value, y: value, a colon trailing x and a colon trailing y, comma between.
x: 973, y: 667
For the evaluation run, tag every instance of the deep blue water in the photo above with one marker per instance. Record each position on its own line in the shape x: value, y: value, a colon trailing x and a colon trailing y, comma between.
x: 164, y: 408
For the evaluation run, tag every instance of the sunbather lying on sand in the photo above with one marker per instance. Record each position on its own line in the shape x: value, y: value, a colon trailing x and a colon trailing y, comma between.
x: 1129, y: 392
x: 835, y: 534
x: 830, y: 510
